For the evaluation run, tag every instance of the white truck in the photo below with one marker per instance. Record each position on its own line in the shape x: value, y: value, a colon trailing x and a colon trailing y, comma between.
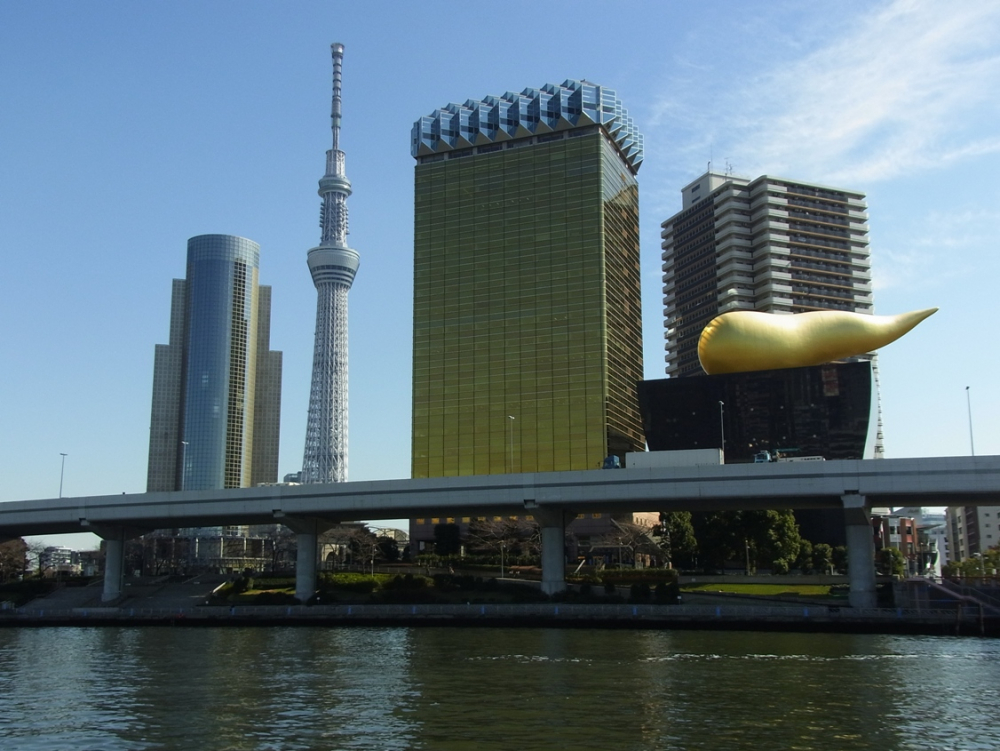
x: 688, y: 458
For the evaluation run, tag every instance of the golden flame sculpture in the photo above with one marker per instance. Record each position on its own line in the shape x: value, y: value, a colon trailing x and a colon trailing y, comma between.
x: 745, y: 340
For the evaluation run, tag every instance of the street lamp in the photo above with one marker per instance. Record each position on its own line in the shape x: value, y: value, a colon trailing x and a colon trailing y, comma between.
x: 511, y: 418
x: 722, y: 426
x: 968, y: 403
x: 62, y: 471
x: 184, y: 453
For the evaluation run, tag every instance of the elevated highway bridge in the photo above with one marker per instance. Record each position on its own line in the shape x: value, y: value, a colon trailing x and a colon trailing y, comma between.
x: 551, y: 498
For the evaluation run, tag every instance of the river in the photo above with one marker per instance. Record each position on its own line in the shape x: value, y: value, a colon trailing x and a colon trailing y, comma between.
x: 113, y: 688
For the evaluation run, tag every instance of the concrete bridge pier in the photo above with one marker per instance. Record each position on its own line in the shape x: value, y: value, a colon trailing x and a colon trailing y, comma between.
x: 553, y: 527
x: 860, y: 552
x: 306, y: 530
x: 114, y: 557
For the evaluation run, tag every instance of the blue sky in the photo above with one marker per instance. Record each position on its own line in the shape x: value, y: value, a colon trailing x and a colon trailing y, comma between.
x: 126, y: 128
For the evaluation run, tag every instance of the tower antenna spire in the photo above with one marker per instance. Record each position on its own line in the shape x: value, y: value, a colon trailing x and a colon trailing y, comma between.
x: 337, y: 51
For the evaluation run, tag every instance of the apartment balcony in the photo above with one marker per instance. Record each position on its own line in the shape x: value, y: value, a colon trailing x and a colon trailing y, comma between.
x: 731, y: 229
x: 762, y: 265
x: 771, y: 237
x: 733, y: 255
x: 731, y: 203
x: 766, y: 204
x: 773, y: 300
x: 771, y: 224
x: 773, y: 277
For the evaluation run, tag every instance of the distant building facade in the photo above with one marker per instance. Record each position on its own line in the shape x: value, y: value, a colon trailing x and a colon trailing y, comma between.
x: 972, y: 530
x: 527, y: 336
x: 216, y: 384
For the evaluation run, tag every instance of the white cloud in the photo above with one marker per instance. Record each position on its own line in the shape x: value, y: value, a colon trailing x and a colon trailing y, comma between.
x: 901, y: 91
x: 965, y: 237
x: 909, y: 86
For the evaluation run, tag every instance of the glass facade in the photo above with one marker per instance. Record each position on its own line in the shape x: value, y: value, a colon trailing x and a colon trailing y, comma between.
x: 822, y: 410
x: 221, y: 361
x: 527, y: 327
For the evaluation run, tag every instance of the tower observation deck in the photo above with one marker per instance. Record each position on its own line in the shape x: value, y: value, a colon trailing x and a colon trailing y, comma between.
x: 333, y: 266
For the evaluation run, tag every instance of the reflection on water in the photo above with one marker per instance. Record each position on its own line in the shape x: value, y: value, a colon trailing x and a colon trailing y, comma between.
x: 439, y: 688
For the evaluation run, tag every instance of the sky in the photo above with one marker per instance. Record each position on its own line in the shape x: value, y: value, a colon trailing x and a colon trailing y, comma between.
x: 126, y: 128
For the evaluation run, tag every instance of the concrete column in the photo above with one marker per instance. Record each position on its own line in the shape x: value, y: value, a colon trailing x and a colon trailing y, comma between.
x: 114, y: 566
x: 305, y: 566
x: 860, y: 552
x: 114, y: 555
x: 306, y: 530
x: 553, y: 526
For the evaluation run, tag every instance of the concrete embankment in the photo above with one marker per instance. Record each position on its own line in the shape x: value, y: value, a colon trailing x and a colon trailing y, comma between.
x: 807, y: 618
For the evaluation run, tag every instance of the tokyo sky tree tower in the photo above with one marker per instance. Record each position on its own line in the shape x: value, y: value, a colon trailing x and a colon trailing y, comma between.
x: 333, y: 266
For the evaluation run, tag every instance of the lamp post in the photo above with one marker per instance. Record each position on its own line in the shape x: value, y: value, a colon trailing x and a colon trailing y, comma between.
x: 722, y: 427
x: 968, y: 404
x: 62, y: 472
x: 184, y: 453
x: 511, y: 418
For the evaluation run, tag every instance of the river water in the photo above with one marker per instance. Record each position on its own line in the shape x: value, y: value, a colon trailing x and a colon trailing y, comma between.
x: 491, y: 688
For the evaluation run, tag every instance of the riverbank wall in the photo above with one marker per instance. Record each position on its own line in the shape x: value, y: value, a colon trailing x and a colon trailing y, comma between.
x: 964, y: 620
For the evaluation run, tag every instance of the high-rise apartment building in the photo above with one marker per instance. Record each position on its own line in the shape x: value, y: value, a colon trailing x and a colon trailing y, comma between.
x: 333, y: 266
x: 527, y: 338
x: 216, y: 385
x: 770, y: 245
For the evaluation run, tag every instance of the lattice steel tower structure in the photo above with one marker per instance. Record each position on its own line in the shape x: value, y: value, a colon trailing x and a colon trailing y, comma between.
x: 333, y: 266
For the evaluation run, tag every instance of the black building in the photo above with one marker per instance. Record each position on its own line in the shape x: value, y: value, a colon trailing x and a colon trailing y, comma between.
x: 821, y: 410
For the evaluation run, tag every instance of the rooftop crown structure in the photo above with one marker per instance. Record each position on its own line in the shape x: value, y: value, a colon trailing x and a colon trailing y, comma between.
x: 333, y: 266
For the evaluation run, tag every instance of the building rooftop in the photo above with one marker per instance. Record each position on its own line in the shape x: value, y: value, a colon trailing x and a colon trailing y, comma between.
x: 533, y: 112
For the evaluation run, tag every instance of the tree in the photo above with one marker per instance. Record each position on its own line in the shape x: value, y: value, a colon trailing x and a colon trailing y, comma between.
x: 890, y: 562
x: 756, y: 538
x: 505, y: 537
x: 804, y: 560
x: 676, y: 537
x: 840, y: 558
x: 13, y: 560
x: 633, y: 540
x: 718, y: 538
x: 389, y: 548
x: 783, y: 541
x: 822, y: 557
x: 976, y: 566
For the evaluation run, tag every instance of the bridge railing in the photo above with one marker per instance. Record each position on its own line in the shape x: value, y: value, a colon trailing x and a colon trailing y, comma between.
x: 988, y: 596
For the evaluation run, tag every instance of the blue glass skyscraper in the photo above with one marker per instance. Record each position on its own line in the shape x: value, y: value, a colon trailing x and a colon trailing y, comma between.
x: 216, y: 385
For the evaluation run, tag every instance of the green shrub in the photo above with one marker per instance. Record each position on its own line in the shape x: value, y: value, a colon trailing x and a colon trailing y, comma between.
x: 407, y: 583
x: 651, y: 576
x: 639, y: 592
x: 667, y: 594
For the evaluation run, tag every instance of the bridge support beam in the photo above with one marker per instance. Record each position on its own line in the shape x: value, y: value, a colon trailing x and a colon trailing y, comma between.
x: 553, y: 528
x: 860, y: 552
x: 306, y: 530
x: 114, y: 557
